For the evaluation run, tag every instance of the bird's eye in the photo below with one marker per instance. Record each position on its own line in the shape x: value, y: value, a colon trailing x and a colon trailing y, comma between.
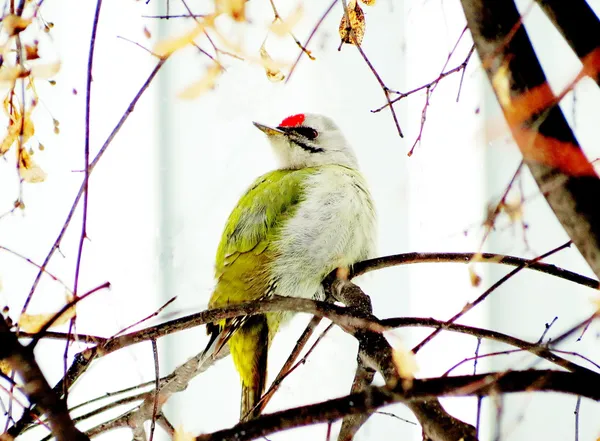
x: 306, y: 132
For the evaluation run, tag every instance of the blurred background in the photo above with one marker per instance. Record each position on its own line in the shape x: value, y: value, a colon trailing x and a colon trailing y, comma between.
x: 159, y: 198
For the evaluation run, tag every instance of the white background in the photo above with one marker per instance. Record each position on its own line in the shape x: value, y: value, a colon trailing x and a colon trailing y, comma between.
x: 162, y: 192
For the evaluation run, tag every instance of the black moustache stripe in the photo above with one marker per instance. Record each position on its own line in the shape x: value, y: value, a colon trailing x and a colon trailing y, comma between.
x: 307, y: 147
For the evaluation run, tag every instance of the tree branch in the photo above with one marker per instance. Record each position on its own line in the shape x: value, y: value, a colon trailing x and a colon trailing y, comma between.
x: 564, y: 175
x: 577, y: 23
x: 375, y: 397
x: 411, y: 258
x: 36, y: 388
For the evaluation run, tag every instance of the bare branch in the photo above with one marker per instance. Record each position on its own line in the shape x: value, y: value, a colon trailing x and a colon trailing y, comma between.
x: 375, y: 397
x: 412, y: 258
x: 485, y: 295
x: 35, y: 386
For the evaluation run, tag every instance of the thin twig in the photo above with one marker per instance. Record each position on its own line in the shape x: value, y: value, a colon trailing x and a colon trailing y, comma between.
x: 40, y: 334
x: 86, y: 149
x: 278, y: 17
x: 156, y: 389
x: 306, y: 334
x: 311, y: 35
x: 91, y: 167
x: 148, y: 317
x: 384, y: 88
x: 175, y: 16
x: 484, y: 296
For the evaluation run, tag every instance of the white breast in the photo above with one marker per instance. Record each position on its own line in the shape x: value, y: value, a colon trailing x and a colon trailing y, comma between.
x: 333, y: 227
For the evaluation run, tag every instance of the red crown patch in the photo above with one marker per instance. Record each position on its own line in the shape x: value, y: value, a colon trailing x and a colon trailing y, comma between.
x: 293, y: 121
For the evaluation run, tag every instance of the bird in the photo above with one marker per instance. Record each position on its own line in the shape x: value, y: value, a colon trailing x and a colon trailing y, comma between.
x: 291, y: 228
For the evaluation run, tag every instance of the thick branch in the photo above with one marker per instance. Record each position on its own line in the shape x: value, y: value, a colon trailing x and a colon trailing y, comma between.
x: 376, y: 353
x: 577, y: 23
x: 549, y: 147
x: 35, y: 386
x: 416, y: 257
x: 375, y: 397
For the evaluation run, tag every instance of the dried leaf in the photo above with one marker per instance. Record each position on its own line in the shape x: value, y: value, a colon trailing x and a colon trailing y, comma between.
x: 29, y: 170
x: 8, y: 74
x: 5, y: 367
x: 474, y: 277
x: 406, y: 364
x: 273, y: 73
x: 182, y: 435
x: 596, y: 302
x: 204, y: 84
x: 357, y: 22
x: 13, y: 24
x: 10, y: 138
x: 236, y: 9
x: 14, y: 128
x: 283, y: 27
x: 34, y: 322
x: 513, y: 209
x: 368, y: 2
x: 45, y: 71
x: 147, y: 33
x: 31, y: 52
x: 170, y: 45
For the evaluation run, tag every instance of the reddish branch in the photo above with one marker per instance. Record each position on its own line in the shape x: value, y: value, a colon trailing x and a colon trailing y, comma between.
x: 549, y: 147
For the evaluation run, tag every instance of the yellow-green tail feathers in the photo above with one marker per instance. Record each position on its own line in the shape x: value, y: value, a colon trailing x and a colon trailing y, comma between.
x: 249, y: 345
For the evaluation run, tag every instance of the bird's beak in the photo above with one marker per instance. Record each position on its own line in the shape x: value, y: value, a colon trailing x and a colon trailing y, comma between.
x: 268, y: 130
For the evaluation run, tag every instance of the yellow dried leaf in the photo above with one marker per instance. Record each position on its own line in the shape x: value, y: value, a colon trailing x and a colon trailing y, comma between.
x: 357, y: 24
x: 10, y: 138
x: 513, y: 209
x: 8, y: 74
x: 283, y: 27
x: 14, y: 129
x: 13, y: 24
x: 236, y: 9
x: 29, y: 170
x: 45, y: 71
x: 596, y: 302
x: 368, y: 2
x: 273, y: 73
x: 204, y: 84
x: 170, y: 45
x: 5, y: 367
x: 182, y: 435
x: 34, y: 322
x: 474, y: 277
x: 405, y: 363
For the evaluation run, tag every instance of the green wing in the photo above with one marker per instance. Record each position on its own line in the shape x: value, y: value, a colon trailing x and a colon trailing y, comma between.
x: 245, y: 252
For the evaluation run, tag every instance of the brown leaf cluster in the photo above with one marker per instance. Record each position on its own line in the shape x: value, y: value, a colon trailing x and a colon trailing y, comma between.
x: 352, y: 25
